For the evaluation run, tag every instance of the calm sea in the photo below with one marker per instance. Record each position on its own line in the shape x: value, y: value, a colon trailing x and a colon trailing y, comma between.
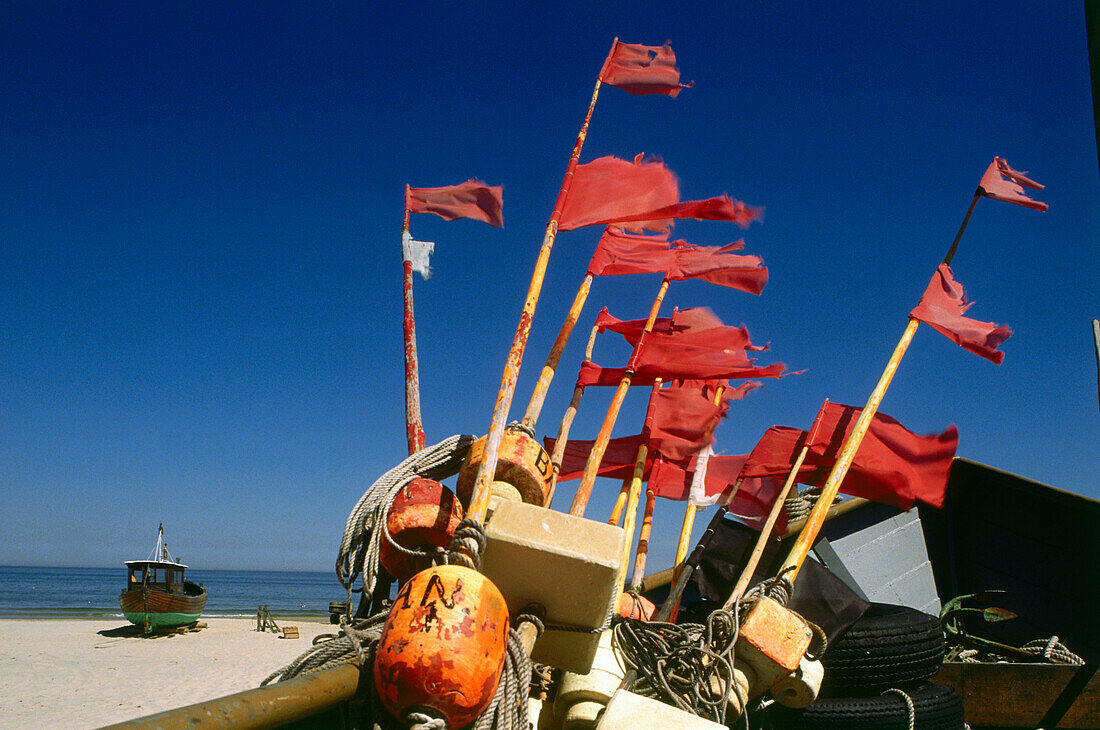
x: 90, y: 592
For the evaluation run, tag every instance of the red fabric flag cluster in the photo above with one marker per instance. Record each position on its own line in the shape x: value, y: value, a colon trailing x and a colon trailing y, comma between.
x: 609, y: 190
x: 1011, y: 190
x: 706, y: 354
x: 892, y: 465
x: 942, y: 306
x: 681, y: 421
x: 472, y: 199
x: 642, y: 70
x: 754, y: 498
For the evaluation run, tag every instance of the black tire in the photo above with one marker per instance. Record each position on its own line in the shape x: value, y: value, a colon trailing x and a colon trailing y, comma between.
x: 889, y: 646
x: 938, y: 707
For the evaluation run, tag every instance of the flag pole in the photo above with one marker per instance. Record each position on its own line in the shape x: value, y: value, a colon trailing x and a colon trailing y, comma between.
x: 538, y: 397
x: 844, y: 459
x: 479, y: 501
x: 633, y: 495
x: 689, y: 518
x: 773, y: 516
x: 414, y: 428
x: 591, y: 467
x: 562, y: 441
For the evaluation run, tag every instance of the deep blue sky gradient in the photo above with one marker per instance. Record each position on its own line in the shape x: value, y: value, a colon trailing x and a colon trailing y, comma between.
x: 200, y: 283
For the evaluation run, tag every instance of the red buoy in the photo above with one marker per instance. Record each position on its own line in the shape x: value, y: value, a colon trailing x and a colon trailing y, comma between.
x: 521, y: 463
x: 424, y: 515
x: 633, y: 605
x: 442, y: 648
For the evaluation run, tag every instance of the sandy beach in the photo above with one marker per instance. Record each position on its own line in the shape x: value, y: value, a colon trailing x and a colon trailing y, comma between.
x: 87, y: 673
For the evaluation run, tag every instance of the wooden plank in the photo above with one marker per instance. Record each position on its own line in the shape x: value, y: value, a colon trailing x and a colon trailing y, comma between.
x: 1026, y: 695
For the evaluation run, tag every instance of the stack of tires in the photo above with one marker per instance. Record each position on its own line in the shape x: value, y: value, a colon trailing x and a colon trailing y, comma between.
x: 872, y: 673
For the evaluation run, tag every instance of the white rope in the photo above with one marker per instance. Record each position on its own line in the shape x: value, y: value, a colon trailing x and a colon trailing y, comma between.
x: 360, y: 545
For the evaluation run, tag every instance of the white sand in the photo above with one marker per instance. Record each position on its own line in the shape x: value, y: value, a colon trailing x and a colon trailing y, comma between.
x: 84, y: 673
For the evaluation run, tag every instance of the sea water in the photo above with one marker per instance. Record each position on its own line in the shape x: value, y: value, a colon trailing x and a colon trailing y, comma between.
x: 28, y: 592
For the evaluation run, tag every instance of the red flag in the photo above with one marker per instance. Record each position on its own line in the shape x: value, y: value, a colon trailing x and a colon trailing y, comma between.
x: 722, y: 208
x: 592, y: 374
x: 718, y: 265
x: 625, y: 253
x: 994, y: 185
x: 754, y: 498
x: 681, y: 321
x: 618, y: 459
x: 680, y: 421
x: 642, y: 70
x: 942, y: 306
x: 609, y: 190
x: 472, y: 199
x: 892, y: 465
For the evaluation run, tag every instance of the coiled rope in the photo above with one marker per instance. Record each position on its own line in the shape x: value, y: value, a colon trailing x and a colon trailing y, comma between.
x: 360, y: 546
x: 689, y: 666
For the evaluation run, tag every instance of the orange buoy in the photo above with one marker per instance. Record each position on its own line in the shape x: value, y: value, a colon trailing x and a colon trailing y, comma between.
x: 521, y: 462
x: 634, y: 605
x: 442, y: 648
x: 424, y: 515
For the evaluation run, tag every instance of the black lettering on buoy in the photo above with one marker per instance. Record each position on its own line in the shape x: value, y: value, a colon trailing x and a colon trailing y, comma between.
x: 403, y: 595
x: 436, y: 582
x: 542, y: 462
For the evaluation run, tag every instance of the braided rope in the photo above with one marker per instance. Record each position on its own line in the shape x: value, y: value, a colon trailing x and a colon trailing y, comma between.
x: 359, y: 548
x: 908, y: 703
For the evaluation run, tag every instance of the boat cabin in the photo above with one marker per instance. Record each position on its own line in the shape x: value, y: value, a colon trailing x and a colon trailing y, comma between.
x: 165, y: 575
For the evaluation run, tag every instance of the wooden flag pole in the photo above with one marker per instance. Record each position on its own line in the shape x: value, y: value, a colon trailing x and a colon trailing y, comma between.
x: 479, y: 502
x: 633, y: 495
x: 620, y: 502
x: 773, y: 516
x: 538, y: 397
x: 414, y: 428
x: 591, y: 467
x: 567, y: 422
x: 847, y: 453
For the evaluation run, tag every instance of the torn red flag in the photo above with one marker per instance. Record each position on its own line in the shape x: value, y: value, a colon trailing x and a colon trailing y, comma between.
x: 681, y: 421
x: 752, y: 502
x: 592, y: 374
x: 619, y: 253
x: 719, y: 265
x: 472, y: 199
x: 942, y: 306
x: 892, y: 465
x: 994, y: 185
x: 609, y: 190
x: 681, y: 321
x: 722, y: 208
x: 618, y: 459
x: 642, y: 70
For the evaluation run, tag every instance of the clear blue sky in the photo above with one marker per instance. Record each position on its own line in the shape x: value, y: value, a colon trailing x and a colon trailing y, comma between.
x: 200, y: 282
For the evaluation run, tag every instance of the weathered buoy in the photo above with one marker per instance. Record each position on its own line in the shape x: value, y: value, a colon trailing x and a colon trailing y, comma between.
x: 634, y: 605
x: 442, y: 648
x: 423, y: 516
x: 521, y: 462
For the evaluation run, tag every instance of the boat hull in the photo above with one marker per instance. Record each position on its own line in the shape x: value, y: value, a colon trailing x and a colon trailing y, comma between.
x: 156, y: 609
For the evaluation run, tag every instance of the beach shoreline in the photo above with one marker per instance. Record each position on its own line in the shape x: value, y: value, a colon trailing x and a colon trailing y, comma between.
x: 89, y: 672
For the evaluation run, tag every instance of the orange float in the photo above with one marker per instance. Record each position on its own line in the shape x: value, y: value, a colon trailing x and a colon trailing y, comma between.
x: 633, y: 605
x: 521, y: 463
x: 424, y: 515
x: 442, y: 648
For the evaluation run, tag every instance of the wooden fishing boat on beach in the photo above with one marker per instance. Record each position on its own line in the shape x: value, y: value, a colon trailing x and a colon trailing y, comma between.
x: 157, y: 595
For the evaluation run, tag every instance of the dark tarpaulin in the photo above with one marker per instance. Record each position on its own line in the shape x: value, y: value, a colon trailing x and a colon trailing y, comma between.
x: 819, y: 596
